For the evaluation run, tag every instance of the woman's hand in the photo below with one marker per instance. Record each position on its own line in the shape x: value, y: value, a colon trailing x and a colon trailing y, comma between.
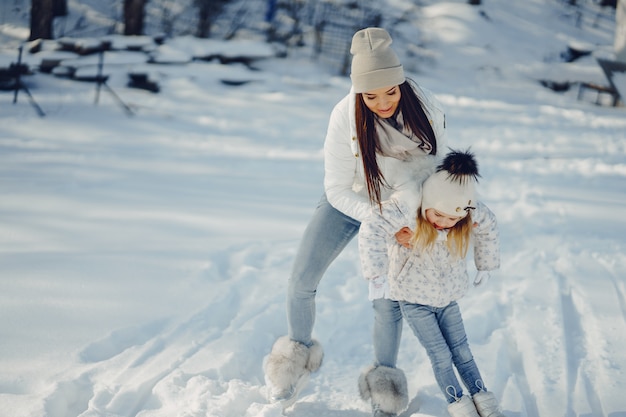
x: 403, y: 237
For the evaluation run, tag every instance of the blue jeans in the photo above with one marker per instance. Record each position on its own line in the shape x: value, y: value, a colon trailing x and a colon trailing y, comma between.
x: 441, y: 332
x: 387, y: 331
x: 328, y: 233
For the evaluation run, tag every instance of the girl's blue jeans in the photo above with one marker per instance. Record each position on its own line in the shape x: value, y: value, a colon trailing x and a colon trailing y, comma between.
x: 441, y: 332
x: 328, y: 233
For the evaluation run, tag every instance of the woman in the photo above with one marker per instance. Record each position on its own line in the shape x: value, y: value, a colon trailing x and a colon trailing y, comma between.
x: 383, y: 138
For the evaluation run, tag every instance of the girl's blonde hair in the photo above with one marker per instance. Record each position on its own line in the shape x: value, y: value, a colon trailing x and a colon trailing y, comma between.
x: 458, y: 240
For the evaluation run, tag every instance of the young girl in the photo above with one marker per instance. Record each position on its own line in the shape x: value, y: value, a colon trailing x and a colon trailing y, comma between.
x: 382, y: 135
x: 428, y: 279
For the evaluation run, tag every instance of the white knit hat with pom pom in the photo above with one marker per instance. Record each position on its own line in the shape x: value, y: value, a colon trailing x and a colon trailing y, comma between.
x: 451, y: 189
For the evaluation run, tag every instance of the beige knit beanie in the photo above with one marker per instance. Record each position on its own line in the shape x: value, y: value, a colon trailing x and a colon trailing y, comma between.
x: 374, y: 63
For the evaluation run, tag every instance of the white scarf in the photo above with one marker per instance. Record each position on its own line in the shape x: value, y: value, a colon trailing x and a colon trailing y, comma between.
x: 397, y: 141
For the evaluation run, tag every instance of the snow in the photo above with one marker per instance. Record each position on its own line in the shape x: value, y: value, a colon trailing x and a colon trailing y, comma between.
x: 144, y: 258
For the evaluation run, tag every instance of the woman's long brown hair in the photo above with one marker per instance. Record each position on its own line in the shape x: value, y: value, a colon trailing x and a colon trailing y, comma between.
x: 415, y: 117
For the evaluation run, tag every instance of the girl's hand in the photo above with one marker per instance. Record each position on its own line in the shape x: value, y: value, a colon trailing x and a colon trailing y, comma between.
x: 403, y: 237
x: 481, y: 278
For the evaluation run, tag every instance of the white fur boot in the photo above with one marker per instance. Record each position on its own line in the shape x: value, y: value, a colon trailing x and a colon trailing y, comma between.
x: 287, y: 368
x: 487, y: 404
x: 387, y: 389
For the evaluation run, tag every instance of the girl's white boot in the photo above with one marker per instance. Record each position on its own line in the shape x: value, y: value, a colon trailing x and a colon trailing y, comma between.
x: 487, y: 404
x: 463, y: 407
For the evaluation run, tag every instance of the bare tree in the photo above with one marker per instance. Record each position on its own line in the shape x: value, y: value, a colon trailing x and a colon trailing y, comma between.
x: 41, y: 17
x: 208, y: 10
x: 133, y: 17
x: 619, y: 43
x: 59, y: 8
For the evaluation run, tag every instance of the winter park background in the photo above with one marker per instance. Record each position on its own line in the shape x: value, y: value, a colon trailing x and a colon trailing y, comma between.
x: 144, y: 258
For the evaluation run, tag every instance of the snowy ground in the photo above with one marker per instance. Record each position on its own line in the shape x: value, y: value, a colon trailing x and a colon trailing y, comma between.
x: 144, y: 259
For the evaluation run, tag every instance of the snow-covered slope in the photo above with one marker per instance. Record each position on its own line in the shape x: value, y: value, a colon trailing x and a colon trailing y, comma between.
x: 144, y: 258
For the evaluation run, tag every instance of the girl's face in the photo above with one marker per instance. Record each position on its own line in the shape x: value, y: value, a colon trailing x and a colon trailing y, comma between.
x: 383, y: 101
x: 440, y: 220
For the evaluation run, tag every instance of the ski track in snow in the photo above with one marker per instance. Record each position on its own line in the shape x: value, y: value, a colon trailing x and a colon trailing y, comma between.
x: 128, y: 366
x: 146, y: 371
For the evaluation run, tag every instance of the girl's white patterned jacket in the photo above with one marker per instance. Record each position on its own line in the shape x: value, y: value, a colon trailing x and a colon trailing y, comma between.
x: 432, y: 277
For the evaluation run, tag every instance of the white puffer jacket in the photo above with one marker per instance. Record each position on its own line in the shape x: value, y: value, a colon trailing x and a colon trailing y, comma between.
x: 344, y: 178
x: 432, y: 277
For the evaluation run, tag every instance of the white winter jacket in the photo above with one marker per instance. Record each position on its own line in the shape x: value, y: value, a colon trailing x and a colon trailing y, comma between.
x: 344, y: 178
x: 433, y: 277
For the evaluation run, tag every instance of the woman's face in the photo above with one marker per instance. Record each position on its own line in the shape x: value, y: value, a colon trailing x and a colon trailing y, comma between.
x: 383, y: 101
x: 440, y: 220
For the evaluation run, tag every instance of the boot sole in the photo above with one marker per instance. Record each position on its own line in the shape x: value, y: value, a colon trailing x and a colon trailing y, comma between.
x: 302, y: 382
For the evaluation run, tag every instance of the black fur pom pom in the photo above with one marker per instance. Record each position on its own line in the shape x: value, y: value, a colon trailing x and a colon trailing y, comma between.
x: 461, y: 165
